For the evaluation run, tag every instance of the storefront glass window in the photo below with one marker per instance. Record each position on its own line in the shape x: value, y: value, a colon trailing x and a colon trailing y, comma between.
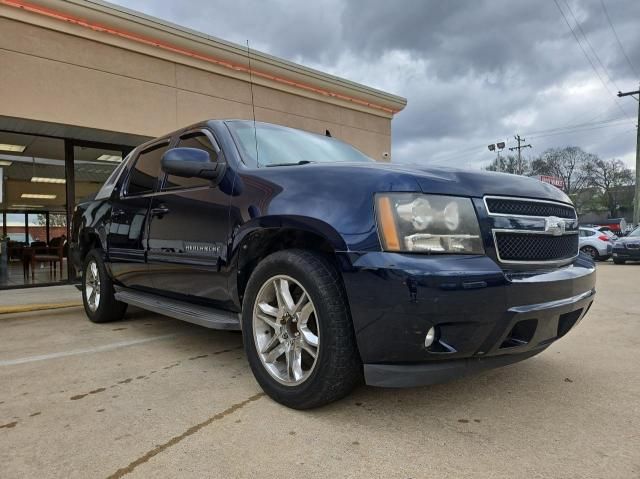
x: 93, y: 166
x: 34, y: 204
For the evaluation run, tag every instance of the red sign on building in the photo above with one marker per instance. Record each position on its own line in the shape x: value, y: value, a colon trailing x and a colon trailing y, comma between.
x: 552, y: 180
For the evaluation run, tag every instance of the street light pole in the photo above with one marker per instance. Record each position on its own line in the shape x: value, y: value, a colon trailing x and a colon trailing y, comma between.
x: 636, y: 198
x: 497, y: 147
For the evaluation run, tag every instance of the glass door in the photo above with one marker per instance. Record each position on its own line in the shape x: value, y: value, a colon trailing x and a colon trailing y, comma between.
x: 33, y: 188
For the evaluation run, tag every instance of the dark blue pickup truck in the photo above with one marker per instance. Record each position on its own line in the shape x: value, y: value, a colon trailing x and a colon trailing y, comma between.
x: 334, y: 267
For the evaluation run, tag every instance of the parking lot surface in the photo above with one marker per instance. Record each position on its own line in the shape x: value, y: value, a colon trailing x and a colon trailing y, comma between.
x: 155, y: 397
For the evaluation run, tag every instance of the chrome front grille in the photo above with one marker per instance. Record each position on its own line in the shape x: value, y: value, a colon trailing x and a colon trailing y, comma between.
x: 531, y: 231
x: 524, y: 207
x: 535, y: 247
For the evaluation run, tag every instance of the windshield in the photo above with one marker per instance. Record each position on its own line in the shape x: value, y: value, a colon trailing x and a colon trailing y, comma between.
x: 635, y: 232
x: 278, y: 145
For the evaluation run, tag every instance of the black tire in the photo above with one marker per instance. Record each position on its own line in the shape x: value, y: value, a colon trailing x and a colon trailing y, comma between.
x: 338, y: 368
x: 108, y: 308
x: 591, y: 251
x: 618, y: 261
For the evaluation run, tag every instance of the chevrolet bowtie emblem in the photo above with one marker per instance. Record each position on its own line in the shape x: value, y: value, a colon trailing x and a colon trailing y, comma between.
x: 554, y: 225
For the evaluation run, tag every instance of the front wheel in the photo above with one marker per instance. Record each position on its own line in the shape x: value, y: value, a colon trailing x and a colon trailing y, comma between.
x: 297, y: 330
x: 618, y: 261
x: 591, y: 251
x: 98, y: 294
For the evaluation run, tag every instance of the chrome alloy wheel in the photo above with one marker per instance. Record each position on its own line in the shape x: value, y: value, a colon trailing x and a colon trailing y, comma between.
x: 285, y: 330
x: 92, y: 285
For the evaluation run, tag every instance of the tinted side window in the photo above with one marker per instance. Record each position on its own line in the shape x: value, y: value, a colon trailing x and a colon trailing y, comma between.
x: 191, y: 140
x: 145, y: 172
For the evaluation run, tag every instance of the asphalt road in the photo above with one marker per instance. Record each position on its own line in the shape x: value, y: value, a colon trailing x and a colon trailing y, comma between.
x: 155, y: 397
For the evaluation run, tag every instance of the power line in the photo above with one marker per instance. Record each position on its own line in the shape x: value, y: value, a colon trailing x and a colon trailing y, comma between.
x: 452, y: 154
x: 572, y: 124
x: 593, y: 51
x: 615, y: 137
x: 575, y: 117
x: 606, y: 14
x: 579, y: 130
x: 541, y: 134
x: 566, y: 20
x: 603, y: 113
x: 579, y: 125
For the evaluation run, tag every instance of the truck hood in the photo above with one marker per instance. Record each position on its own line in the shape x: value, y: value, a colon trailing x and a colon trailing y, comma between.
x: 452, y: 181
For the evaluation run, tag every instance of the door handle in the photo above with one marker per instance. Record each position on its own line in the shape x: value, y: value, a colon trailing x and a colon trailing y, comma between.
x: 160, y: 210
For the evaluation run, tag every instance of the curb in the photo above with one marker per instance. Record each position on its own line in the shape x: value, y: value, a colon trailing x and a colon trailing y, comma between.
x: 27, y: 308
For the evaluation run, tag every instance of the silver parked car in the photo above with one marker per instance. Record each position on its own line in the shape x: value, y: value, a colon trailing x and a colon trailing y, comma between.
x: 595, y: 243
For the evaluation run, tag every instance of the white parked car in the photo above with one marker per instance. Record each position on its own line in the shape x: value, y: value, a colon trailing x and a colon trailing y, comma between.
x: 606, y: 230
x: 596, y: 243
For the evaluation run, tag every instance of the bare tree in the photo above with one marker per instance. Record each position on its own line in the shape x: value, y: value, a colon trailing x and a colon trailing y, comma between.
x: 509, y: 164
x: 609, y: 176
x: 55, y: 219
x: 568, y: 164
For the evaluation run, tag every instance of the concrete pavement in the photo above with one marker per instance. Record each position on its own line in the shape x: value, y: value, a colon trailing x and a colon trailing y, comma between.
x: 34, y: 299
x: 154, y: 397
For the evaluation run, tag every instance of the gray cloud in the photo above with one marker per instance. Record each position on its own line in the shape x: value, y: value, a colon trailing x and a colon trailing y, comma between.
x: 473, y: 71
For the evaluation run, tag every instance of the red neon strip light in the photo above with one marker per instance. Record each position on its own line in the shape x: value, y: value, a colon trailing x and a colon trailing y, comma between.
x: 175, y: 49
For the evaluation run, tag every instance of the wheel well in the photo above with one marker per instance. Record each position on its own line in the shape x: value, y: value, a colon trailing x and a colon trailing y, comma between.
x: 261, y: 244
x: 89, y: 241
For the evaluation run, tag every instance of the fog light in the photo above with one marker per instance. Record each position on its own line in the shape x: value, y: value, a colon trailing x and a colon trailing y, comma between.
x: 430, y: 337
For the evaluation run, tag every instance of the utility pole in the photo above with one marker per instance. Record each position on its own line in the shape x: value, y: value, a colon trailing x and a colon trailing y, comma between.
x: 519, y: 148
x: 636, y: 198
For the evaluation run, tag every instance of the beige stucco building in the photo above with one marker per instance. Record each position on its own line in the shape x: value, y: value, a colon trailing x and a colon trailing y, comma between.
x: 82, y: 82
x: 84, y: 63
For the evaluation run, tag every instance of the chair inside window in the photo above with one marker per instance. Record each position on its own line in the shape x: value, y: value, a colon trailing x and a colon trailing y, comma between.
x: 14, y: 249
x: 40, y: 253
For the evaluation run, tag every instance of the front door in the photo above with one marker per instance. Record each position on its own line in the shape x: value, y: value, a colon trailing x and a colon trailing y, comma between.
x: 189, y: 223
x: 128, y: 230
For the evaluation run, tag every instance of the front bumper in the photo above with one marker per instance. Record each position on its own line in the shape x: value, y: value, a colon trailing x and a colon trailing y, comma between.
x: 484, y: 316
x: 434, y: 372
x: 626, y: 253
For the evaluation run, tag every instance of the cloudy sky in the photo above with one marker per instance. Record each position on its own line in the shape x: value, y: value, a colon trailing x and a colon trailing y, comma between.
x: 473, y: 72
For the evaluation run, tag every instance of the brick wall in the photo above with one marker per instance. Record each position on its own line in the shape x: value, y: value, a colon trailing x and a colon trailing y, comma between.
x: 36, y: 233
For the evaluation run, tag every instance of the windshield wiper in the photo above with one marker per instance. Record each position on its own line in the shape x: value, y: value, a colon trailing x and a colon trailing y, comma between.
x: 302, y: 162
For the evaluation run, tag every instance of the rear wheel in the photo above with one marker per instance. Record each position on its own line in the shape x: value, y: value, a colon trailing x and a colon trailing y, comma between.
x: 98, y: 294
x: 591, y: 251
x: 297, y: 330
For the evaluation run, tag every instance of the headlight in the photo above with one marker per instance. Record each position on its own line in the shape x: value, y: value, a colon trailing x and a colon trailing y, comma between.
x: 427, y: 223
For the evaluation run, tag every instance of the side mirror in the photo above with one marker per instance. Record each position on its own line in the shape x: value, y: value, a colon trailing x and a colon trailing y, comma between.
x: 190, y: 163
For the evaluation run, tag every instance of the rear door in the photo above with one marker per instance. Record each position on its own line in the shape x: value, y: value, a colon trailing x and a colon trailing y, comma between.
x: 127, y: 239
x: 189, y: 229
